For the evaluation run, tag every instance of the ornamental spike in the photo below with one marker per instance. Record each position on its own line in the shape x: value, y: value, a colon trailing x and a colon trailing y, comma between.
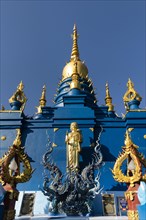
x: 43, y: 97
x: 108, y: 99
x: 75, y: 50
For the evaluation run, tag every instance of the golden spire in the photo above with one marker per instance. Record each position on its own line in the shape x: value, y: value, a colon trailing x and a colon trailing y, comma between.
x: 108, y: 99
x: 42, y: 100
x: 75, y: 50
x: 43, y: 97
x: 131, y: 93
x: 75, y: 84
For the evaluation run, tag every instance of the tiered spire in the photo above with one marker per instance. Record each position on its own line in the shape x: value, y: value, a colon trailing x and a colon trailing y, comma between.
x: 75, y: 50
x: 108, y: 99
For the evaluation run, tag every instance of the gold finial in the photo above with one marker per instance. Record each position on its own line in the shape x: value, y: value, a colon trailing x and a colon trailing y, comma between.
x: 19, y: 95
x: 43, y: 97
x: 42, y: 100
x: 108, y: 99
x: 75, y: 50
x: 75, y: 84
x: 131, y: 94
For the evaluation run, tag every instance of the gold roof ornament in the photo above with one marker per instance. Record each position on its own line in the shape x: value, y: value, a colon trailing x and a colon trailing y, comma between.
x: 108, y: 99
x: 131, y: 93
x: 75, y: 50
x: 16, y: 154
x: 134, y: 162
x: 42, y: 100
x: 75, y: 84
x: 75, y: 57
x: 43, y: 97
x: 19, y: 96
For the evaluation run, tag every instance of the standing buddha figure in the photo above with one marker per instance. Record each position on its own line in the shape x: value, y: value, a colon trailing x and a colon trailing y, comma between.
x: 73, y: 142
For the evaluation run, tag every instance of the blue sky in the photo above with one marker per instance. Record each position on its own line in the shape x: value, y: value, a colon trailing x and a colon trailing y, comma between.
x: 36, y: 44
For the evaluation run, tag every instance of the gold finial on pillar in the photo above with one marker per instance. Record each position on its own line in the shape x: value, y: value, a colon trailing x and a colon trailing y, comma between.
x: 43, y: 97
x: 75, y: 84
x: 42, y: 100
x: 108, y: 99
x: 131, y: 93
x: 75, y: 50
x: 19, y: 96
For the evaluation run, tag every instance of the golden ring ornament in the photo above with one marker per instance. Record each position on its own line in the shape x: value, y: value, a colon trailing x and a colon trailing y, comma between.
x: 118, y: 174
x: 129, y: 152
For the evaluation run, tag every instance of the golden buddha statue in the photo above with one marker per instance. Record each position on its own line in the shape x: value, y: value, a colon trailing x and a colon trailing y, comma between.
x: 73, y: 141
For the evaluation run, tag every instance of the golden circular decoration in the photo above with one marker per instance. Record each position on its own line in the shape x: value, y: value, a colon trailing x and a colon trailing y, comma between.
x: 81, y: 69
x: 3, y: 138
x: 144, y: 136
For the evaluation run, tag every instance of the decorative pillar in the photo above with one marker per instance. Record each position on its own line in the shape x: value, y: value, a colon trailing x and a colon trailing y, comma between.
x: 134, y: 175
x: 10, y: 175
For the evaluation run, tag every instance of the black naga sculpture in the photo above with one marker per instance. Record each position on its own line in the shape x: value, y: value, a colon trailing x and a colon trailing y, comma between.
x: 71, y: 193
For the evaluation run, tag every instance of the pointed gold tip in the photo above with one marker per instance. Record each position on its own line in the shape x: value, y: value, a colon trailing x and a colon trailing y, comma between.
x: 108, y: 98
x: 75, y: 50
x: 43, y: 97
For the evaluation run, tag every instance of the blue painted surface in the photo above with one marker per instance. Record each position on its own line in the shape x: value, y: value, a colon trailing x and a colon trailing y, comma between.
x: 76, y: 106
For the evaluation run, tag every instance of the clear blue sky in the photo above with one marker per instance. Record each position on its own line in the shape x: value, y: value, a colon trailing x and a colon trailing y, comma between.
x: 36, y: 44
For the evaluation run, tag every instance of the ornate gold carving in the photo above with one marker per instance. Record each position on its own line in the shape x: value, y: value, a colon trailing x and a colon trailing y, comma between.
x: 73, y: 141
x: 3, y: 138
x: 132, y: 215
x: 130, y: 153
x: 108, y: 99
x: 129, y: 195
x: 15, y: 152
x: 75, y: 84
x: 56, y: 129
x: 19, y: 96
x: 131, y: 93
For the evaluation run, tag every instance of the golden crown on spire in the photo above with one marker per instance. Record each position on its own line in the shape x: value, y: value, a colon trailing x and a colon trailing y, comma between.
x: 108, y: 99
x: 69, y: 67
x: 75, y: 50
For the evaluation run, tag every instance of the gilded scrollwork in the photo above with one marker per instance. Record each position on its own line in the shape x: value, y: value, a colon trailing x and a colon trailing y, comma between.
x: 16, y: 151
x: 133, y: 215
x: 19, y: 96
x: 129, y: 153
